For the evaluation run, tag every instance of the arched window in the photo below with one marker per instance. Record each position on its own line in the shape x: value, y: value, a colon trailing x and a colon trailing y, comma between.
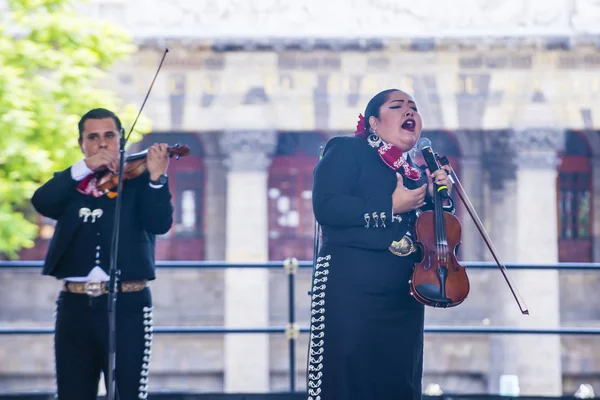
x: 574, y: 184
x: 185, y: 240
x: 289, y: 194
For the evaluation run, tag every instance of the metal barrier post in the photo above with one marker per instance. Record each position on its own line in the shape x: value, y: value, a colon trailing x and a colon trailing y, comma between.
x: 292, y: 330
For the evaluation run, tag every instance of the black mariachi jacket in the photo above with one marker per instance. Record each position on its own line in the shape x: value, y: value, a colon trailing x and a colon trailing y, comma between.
x: 145, y: 212
x: 352, y: 196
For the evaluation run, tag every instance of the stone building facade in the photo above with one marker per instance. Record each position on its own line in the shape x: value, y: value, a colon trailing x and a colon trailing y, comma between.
x: 508, y: 90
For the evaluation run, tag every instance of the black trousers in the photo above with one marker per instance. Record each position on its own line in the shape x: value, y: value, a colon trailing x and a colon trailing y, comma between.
x: 81, y: 344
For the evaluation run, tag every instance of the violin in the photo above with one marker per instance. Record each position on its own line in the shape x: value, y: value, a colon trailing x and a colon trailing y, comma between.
x: 135, y: 165
x: 439, y: 280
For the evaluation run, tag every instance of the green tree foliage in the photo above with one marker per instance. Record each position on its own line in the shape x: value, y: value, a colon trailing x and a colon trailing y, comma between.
x: 52, y: 61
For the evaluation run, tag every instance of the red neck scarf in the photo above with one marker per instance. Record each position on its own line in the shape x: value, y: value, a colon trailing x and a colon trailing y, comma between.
x: 392, y: 156
x: 88, y: 187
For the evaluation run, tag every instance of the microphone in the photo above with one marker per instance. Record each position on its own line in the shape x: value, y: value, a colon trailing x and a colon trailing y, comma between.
x: 425, y: 146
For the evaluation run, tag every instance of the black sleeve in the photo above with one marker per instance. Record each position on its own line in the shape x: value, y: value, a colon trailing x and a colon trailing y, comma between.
x: 51, y: 199
x: 334, y: 178
x: 156, y: 208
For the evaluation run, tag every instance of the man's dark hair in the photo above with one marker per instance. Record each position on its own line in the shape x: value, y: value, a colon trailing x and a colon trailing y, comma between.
x: 98, y: 113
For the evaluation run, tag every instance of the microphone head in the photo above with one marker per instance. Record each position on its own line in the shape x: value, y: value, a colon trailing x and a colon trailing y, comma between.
x: 423, y: 142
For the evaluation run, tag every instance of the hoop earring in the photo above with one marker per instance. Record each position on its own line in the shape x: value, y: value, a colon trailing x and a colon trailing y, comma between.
x: 374, y: 140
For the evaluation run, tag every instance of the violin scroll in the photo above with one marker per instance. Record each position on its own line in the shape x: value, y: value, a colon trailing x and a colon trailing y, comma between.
x: 178, y: 150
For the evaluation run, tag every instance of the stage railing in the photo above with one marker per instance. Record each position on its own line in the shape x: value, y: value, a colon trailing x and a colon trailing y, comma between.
x: 292, y: 330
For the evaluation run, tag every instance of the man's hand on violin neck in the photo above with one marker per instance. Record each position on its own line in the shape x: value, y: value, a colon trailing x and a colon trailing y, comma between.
x: 103, y: 160
x: 157, y: 160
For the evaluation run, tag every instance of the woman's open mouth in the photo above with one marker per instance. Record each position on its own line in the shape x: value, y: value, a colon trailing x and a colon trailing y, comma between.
x: 409, y: 125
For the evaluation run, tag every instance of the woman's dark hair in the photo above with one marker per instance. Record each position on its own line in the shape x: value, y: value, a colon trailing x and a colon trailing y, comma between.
x: 374, y: 105
x: 98, y: 113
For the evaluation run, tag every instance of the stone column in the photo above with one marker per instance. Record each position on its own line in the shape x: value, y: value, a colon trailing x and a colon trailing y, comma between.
x: 528, y: 227
x: 248, y: 155
x: 472, y: 172
x: 536, y: 241
x: 216, y: 198
x: 501, y: 221
x: 473, y: 247
x: 596, y: 206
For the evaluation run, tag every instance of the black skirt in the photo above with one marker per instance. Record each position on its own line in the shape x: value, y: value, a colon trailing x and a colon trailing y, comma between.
x: 366, y: 339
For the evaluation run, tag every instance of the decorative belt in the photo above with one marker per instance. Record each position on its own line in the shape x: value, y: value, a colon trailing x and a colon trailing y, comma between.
x: 98, y: 288
x: 403, y: 247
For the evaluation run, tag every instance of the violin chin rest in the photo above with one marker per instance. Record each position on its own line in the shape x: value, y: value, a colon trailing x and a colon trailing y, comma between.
x: 432, y: 293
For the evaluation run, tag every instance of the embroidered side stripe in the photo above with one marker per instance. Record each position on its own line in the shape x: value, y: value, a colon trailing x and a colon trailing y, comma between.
x: 317, y: 326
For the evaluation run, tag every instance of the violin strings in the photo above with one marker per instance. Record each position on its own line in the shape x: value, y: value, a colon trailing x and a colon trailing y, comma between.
x: 438, y: 227
x: 440, y: 231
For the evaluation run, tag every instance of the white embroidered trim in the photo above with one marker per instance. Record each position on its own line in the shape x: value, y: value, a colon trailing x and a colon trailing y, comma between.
x: 317, y: 325
x: 143, y: 389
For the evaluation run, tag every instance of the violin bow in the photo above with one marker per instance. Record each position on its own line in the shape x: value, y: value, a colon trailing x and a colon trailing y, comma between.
x: 465, y: 199
x: 124, y: 139
x: 147, y: 94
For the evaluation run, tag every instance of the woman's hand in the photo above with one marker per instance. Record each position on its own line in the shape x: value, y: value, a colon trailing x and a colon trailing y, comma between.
x: 440, y: 177
x: 404, y: 200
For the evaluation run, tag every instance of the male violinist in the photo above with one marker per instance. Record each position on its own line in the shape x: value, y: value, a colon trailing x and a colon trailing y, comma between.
x: 79, y: 255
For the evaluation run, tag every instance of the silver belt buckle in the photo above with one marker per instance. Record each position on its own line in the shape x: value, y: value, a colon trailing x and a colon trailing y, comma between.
x: 93, y: 288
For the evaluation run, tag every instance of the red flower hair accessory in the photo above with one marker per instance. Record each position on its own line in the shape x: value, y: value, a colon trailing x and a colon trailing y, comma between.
x: 360, y: 127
